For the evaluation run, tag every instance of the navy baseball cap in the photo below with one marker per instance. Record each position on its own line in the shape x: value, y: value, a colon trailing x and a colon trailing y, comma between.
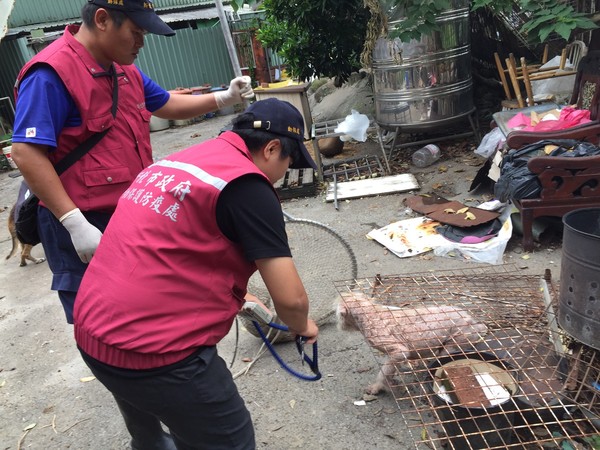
x: 141, y: 12
x: 281, y: 118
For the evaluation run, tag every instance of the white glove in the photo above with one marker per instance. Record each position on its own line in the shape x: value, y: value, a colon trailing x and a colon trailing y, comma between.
x: 84, y: 235
x: 239, y: 90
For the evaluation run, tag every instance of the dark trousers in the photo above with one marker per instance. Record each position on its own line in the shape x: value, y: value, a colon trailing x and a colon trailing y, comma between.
x: 67, y: 269
x: 197, y: 400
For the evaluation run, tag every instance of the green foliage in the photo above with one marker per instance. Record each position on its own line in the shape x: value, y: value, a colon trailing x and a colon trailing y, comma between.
x: 420, y: 16
x: 498, y: 6
x: 316, y: 38
x: 237, y: 4
x: 545, y: 17
x: 594, y: 441
x: 324, y: 38
x: 548, y: 16
x: 316, y: 84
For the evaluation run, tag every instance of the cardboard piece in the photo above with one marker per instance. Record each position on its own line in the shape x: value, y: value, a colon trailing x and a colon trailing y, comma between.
x: 409, y: 237
x: 449, y: 212
x: 425, y: 203
x: 494, y: 172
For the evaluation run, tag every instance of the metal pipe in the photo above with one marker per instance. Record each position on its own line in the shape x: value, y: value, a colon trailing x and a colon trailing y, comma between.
x: 235, y: 63
x: 335, y: 199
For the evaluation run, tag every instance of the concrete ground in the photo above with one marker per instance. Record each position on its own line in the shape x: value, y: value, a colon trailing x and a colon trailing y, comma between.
x: 47, y: 400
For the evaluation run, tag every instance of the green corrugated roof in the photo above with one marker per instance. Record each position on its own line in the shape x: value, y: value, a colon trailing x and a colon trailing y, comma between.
x: 46, y: 14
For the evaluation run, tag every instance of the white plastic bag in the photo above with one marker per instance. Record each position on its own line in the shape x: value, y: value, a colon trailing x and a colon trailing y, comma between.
x: 354, y: 126
x: 490, y: 251
x: 491, y: 142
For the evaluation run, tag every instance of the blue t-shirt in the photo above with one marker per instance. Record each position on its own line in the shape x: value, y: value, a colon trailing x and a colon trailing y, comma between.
x: 45, y: 104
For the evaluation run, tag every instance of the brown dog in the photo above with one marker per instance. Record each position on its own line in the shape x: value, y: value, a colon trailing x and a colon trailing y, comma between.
x: 406, y: 333
x: 25, y: 248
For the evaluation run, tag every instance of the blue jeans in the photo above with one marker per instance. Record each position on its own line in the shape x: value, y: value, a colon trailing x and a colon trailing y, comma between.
x: 67, y: 269
x: 196, y: 399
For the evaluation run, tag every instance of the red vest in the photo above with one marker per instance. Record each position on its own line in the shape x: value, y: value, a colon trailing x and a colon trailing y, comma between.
x: 96, y: 181
x: 165, y: 280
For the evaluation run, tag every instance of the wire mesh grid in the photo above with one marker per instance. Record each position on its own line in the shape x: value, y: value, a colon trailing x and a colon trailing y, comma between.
x: 476, y: 360
x: 364, y: 167
x: 321, y: 256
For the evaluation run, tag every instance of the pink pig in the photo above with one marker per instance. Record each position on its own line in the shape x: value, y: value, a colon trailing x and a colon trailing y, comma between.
x: 405, y: 333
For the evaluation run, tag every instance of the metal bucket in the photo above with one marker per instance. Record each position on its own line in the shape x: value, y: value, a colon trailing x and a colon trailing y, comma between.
x: 425, y: 83
x: 158, y: 124
x: 579, y: 305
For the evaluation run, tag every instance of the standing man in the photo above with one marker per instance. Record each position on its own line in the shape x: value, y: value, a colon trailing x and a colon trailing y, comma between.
x: 64, y: 95
x: 171, y: 274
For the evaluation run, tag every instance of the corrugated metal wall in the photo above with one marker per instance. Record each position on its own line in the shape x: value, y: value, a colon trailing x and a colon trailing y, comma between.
x: 195, y: 57
x: 168, y: 4
x: 13, y: 55
x: 190, y: 58
x: 29, y: 12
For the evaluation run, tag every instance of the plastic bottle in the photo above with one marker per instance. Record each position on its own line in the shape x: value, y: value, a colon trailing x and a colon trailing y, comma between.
x: 426, y: 156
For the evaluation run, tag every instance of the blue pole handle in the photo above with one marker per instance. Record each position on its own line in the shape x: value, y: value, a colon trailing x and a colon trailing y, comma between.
x: 313, y: 363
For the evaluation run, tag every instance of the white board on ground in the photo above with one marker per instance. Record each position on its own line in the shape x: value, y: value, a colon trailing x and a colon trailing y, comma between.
x: 373, y: 186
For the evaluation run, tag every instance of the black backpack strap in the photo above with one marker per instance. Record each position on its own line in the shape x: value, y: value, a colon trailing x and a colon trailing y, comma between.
x: 90, y: 142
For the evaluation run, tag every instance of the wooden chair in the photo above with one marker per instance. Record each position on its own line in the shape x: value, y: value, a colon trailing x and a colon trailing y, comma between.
x: 568, y: 183
x: 586, y: 95
x: 510, y: 102
x: 576, y: 50
x: 514, y: 98
x: 525, y: 74
x: 512, y: 76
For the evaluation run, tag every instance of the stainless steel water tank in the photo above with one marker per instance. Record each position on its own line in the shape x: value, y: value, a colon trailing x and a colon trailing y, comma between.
x: 424, y: 83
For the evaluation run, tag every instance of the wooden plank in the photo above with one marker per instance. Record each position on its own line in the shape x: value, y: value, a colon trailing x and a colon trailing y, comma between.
x: 293, y: 178
x: 296, y: 183
x: 308, y: 177
x: 466, y: 386
x: 373, y: 186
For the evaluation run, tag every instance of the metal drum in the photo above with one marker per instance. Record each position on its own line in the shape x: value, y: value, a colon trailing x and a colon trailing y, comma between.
x: 425, y: 83
x: 579, y: 305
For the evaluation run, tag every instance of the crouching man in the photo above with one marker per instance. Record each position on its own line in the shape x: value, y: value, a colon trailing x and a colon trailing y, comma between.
x: 171, y: 272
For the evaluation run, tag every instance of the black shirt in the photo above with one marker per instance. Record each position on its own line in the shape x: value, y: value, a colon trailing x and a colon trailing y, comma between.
x: 249, y: 213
